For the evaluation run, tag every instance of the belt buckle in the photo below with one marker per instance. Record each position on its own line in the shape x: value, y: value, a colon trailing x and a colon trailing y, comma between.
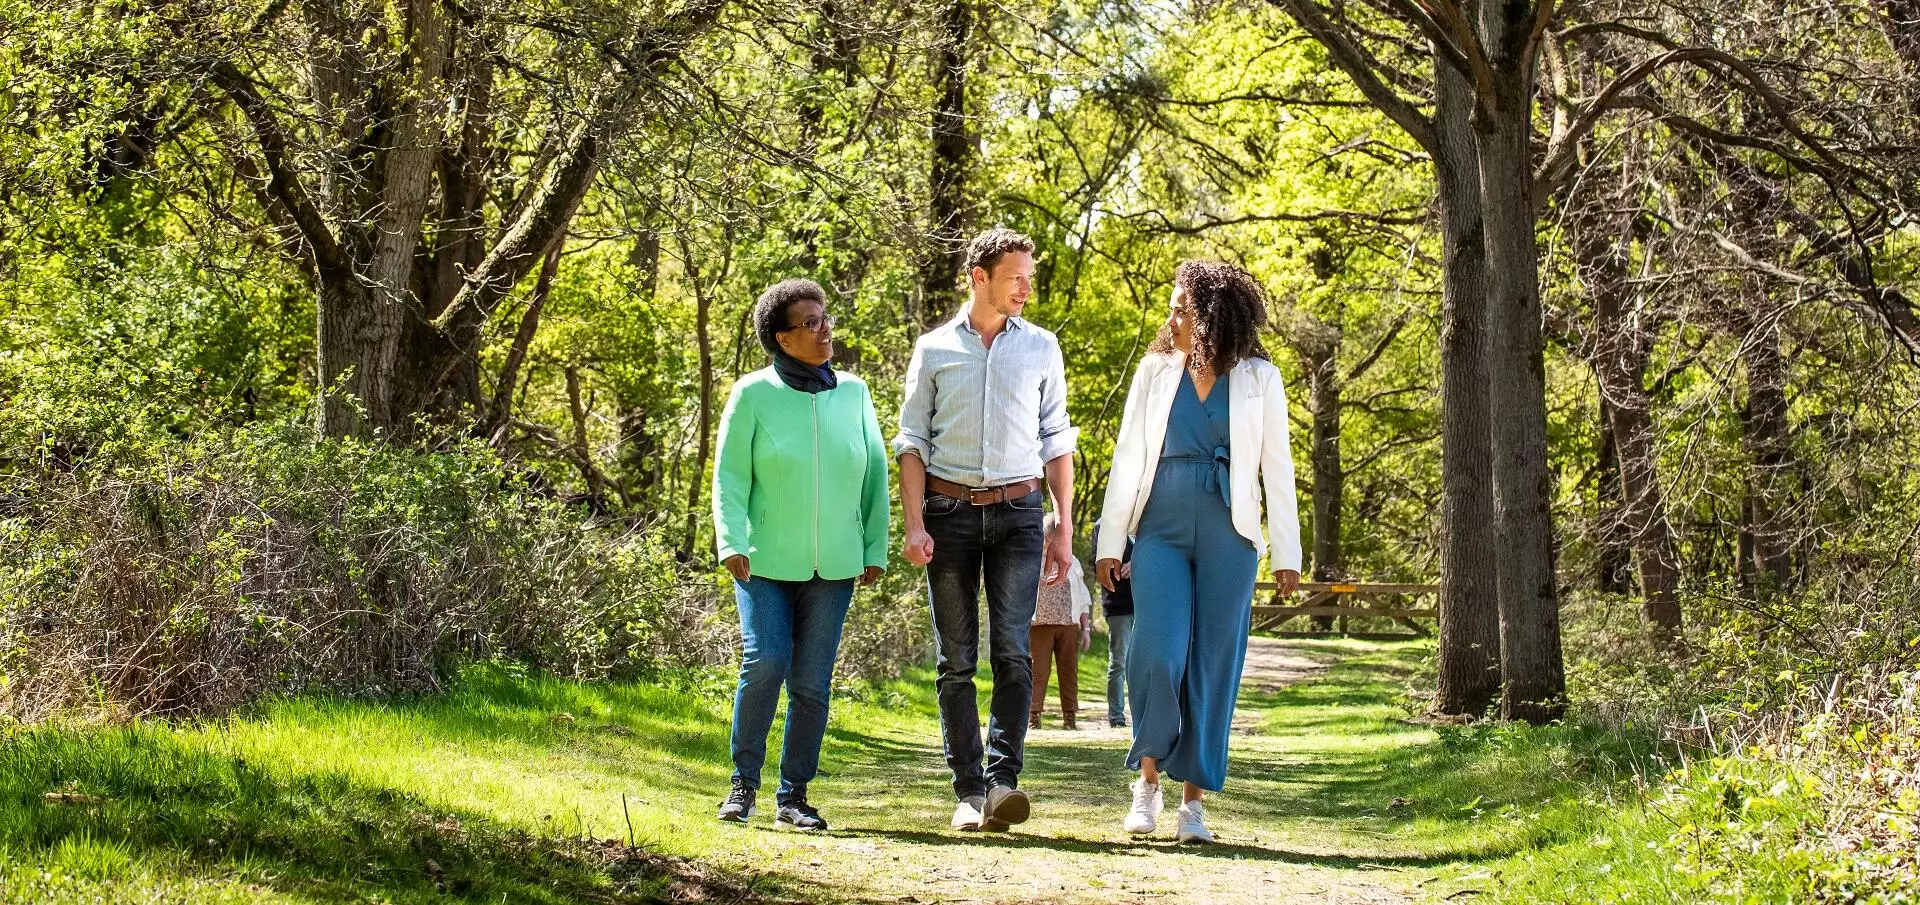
x: 973, y: 490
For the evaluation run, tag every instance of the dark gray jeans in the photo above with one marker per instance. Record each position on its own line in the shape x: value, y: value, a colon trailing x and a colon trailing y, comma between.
x: 1001, y: 546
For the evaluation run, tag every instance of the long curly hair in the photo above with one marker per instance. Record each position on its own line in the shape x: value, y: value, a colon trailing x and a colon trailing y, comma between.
x: 1229, y: 307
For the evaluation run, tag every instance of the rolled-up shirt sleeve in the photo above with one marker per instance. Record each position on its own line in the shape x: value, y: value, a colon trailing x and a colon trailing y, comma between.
x: 916, y: 410
x: 1058, y: 436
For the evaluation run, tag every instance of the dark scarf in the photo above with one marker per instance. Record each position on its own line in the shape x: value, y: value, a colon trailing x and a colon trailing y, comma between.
x: 801, y: 376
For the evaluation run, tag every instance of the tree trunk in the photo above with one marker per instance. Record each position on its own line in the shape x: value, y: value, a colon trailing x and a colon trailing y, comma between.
x: 1328, y: 475
x: 582, y: 449
x: 640, y: 448
x: 1645, y: 511
x: 383, y: 190
x: 1468, y: 660
x: 1756, y: 208
x: 702, y: 326
x: 500, y: 411
x: 350, y: 170
x: 1530, y: 658
x: 1769, y: 447
x: 1622, y: 347
x: 358, y: 346
x: 1319, y: 351
x: 950, y: 213
x: 1613, y: 560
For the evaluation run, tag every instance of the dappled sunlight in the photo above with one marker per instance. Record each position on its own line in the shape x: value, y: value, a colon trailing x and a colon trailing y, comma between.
x: 1332, y: 788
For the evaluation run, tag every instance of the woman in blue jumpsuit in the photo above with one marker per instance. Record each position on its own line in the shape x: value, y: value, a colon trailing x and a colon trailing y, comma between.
x: 1193, y: 583
x: 1194, y: 563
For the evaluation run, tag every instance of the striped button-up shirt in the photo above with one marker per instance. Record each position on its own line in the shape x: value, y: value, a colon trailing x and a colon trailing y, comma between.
x: 985, y: 417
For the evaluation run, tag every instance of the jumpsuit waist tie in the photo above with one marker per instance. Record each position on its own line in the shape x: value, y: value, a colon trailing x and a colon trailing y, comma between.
x: 1222, y: 470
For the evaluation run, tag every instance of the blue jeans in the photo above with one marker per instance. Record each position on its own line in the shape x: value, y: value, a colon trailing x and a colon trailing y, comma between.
x: 1001, y: 544
x: 790, y: 635
x: 1119, y: 638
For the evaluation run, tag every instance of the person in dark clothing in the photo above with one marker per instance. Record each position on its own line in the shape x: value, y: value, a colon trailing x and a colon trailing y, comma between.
x: 1117, y: 606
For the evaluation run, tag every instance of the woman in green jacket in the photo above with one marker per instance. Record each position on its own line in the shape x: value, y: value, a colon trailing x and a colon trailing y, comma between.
x: 799, y: 512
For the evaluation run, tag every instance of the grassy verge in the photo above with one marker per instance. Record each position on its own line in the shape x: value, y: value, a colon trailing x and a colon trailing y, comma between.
x: 530, y: 790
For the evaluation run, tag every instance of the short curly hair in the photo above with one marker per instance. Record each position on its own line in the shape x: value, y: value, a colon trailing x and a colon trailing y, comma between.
x: 987, y: 248
x: 770, y: 313
x: 1229, y: 307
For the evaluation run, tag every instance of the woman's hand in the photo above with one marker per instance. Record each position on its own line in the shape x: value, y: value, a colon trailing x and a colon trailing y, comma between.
x: 871, y: 575
x: 1086, y: 631
x: 1287, y: 579
x: 737, y: 564
x: 1104, y: 571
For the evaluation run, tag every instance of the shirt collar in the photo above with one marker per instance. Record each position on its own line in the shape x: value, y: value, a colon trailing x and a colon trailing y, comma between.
x: 1014, y: 324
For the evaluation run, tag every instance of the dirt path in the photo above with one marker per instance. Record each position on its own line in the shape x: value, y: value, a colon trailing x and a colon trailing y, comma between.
x: 892, y: 801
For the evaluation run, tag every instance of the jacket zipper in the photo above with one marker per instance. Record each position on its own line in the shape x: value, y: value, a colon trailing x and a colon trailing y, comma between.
x: 814, y: 400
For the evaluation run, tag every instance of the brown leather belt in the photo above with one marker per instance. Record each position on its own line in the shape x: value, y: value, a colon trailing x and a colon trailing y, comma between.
x: 983, y: 496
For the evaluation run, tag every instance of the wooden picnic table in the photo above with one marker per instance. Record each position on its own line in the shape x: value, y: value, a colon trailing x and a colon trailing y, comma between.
x: 1340, y: 600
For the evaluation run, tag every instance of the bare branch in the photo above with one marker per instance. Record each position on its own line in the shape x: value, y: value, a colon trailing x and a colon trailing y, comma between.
x: 283, y: 183
x: 1362, y: 68
x: 1379, y: 348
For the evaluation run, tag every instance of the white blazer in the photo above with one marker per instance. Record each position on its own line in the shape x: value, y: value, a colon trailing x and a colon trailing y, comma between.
x: 1257, y: 410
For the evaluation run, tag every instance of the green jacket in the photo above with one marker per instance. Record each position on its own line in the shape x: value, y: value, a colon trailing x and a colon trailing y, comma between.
x: 800, y: 481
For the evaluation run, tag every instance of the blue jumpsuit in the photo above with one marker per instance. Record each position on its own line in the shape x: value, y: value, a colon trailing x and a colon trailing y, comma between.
x: 1193, y: 578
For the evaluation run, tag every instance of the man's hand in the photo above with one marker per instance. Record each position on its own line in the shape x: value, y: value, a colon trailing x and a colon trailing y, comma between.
x: 1287, y: 579
x: 918, y: 546
x: 1103, y: 572
x: 871, y: 575
x: 1057, y: 557
x: 737, y: 564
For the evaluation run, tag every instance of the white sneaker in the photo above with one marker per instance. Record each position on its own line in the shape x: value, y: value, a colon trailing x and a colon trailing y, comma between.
x: 1192, y: 821
x: 967, y: 817
x: 1146, y: 807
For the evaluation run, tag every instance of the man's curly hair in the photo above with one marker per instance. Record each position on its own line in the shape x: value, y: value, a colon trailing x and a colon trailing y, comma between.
x: 987, y: 248
x: 1229, y: 307
x: 770, y: 313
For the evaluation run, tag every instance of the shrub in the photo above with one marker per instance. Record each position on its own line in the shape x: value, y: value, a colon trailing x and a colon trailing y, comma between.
x: 193, y: 575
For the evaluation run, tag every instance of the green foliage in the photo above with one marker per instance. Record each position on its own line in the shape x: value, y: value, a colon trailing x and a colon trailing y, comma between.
x: 1821, y: 807
x: 193, y: 575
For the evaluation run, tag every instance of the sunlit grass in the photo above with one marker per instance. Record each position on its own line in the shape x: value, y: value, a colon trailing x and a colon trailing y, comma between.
x: 529, y: 789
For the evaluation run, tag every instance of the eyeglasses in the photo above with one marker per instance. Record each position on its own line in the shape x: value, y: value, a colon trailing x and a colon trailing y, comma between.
x: 815, y: 324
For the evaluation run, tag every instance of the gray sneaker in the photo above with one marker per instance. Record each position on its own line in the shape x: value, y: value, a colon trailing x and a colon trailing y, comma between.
x: 738, y: 806
x: 798, y: 815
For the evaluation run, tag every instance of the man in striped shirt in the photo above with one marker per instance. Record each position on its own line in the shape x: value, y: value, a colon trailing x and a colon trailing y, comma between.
x: 983, y: 428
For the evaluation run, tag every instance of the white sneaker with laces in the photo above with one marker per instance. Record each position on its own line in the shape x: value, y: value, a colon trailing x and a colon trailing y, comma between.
x: 1192, y: 822
x: 1146, y: 807
x: 967, y: 817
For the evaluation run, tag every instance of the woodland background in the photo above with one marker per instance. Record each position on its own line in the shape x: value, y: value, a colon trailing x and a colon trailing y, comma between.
x: 345, y: 342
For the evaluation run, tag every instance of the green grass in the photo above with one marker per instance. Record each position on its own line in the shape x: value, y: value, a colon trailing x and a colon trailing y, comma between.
x: 528, y: 790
